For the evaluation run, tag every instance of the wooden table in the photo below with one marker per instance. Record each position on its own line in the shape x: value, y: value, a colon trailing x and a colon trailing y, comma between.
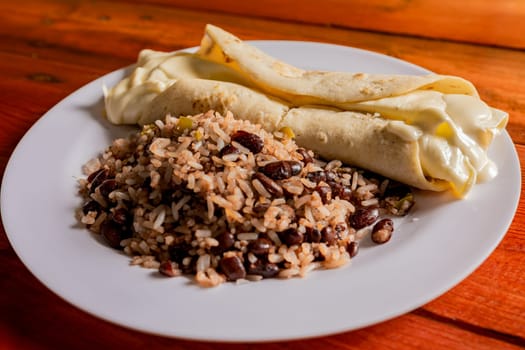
x: 50, y: 48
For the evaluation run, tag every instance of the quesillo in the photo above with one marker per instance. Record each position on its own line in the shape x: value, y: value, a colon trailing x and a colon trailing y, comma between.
x: 431, y: 132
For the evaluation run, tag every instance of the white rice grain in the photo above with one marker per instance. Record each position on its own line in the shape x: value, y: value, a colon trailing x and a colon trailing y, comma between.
x: 260, y: 188
x: 369, y: 202
x: 288, y: 273
x: 355, y: 178
x: 247, y: 236
x: 159, y: 220
x: 245, y: 187
x: 202, y: 233
x: 203, y: 262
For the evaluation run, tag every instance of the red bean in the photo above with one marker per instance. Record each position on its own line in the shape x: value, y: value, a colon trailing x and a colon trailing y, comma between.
x: 328, y: 235
x: 363, y: 217
x: 291, y: 236
x: 282, y: 169
x: 107, y: 187
x: 260, y: 246
x: 313, y: 235
x: 316, y: 176
x: 264, y: 269
x: 327, y: 176
x: 232, y: 268
x: 226, y: 241
x: 382, y: 231
x: 353, y: 248
x: 112, y: 232
x: 251, y: 141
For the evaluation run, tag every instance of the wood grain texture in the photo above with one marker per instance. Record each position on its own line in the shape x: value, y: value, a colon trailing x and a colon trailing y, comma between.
x: 482, y: 22
x: 50, y: 35
x: 50, y: 48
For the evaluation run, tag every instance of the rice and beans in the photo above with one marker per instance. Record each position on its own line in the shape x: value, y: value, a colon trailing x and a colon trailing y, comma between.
x: 223, y: 200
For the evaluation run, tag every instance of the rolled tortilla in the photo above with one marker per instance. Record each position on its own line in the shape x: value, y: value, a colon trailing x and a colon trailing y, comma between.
x: 431, y: 132
x: 301, y: 87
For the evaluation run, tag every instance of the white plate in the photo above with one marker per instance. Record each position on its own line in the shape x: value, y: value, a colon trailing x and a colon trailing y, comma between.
x: 433, y: 249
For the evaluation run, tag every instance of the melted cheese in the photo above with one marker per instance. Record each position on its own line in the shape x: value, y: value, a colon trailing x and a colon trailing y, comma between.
x: 127, y: 102
x: 453, y: 132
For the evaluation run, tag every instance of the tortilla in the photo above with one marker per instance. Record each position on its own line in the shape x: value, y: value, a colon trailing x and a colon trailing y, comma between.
x: 193, y: 96
x: 431, y: 131
x: 373, y: 145
x: 301, y: 87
